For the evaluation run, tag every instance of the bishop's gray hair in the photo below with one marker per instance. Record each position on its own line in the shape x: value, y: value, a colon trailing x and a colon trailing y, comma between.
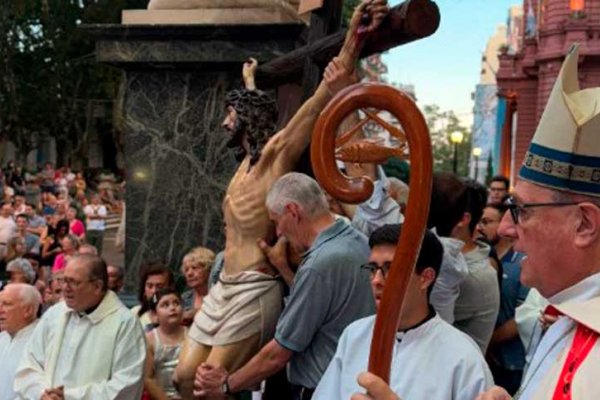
x: 562, y: 196
x: 300, y: 189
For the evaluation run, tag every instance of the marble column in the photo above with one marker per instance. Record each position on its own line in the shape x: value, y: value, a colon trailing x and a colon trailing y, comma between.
x: 178, y: 165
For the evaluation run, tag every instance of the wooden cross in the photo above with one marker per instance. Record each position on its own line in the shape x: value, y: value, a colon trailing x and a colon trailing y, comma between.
x: 406, y: 22
x: 324, y: 21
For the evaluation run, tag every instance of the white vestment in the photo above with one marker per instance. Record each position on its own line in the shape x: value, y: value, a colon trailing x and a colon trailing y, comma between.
x: 527, y: 317
x: 380, y: 209
x: 11, y: 350
x: 95, y: 356
x: 431, y: 361
x: 580, y: 303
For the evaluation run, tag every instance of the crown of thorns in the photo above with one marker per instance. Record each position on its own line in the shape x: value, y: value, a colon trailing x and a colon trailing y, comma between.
x: 244, y: 100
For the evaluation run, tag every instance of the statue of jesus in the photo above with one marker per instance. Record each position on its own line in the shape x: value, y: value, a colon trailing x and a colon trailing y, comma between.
x: 239, y: 314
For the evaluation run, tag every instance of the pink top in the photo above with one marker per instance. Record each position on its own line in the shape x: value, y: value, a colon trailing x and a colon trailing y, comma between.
x: 59, y: 263
x: 77, y: 228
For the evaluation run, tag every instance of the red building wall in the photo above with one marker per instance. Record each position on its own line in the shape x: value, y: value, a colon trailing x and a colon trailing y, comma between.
x: 531, y: 72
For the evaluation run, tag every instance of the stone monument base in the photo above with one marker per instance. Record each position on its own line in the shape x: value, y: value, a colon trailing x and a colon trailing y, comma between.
x: 210, y: 16
x: 171, y: 103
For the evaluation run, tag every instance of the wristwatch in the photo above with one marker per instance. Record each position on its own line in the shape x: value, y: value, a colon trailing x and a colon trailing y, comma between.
x: 225, y: 387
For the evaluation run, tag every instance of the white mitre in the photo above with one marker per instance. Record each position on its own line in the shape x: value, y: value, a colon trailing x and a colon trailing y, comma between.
x: 565, y: 151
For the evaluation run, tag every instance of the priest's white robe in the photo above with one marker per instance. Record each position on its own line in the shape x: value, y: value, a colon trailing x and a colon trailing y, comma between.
x: 579, y: 304
x: 11, y: 350
x: 431, y: 361
x: 95, y: 356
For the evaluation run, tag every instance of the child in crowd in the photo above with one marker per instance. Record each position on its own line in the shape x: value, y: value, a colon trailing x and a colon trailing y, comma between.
x: 76, y: 227
x: 155, y: 276
x: 164, y: 345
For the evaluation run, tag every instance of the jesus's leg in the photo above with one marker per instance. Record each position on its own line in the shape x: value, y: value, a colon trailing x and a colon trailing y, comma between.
x: 192, y: 355
x: 234, y: 356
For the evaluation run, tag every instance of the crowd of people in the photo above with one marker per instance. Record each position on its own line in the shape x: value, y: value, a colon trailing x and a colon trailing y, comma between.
x: 503, y: 301
x: 48, y: 217
x: 461, y: 311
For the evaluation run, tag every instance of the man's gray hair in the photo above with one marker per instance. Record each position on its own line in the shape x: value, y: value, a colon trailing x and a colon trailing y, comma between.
x: 301, y: 189
x: 28, y: 294
x: 87, y: 248
x: 400, y: 190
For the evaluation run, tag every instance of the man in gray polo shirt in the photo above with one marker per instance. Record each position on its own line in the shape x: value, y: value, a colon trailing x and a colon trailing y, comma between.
x: 329, y: 291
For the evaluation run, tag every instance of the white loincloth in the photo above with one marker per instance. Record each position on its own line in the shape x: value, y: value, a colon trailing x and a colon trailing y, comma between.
x: 238, y: 307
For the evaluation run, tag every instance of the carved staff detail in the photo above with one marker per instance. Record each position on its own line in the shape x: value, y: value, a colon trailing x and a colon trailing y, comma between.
x: 325, y: 148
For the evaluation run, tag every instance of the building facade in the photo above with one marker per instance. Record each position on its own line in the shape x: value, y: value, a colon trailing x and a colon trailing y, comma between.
x: 485, y: 107
x: 526, y: 77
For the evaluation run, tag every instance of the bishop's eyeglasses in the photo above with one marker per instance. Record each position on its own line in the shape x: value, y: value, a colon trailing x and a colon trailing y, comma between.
x: 517, y: 209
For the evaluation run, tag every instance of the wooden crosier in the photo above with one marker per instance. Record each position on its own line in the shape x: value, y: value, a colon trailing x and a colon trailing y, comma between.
x: 324, y: 148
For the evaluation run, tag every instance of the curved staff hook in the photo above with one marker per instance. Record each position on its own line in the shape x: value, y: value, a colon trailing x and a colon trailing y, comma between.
x: 355, y: 190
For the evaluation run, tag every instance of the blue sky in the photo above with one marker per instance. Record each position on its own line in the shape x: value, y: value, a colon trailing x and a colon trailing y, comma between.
x: 444, y: 68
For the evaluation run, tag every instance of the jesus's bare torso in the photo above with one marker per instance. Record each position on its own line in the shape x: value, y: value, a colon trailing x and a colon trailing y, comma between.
x: 246, y: 216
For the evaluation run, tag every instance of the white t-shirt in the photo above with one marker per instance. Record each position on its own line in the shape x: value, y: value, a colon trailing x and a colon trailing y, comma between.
x: 432, y: 361
x: 453, y: 272
x: 8, y: 229
x: 95, y: 224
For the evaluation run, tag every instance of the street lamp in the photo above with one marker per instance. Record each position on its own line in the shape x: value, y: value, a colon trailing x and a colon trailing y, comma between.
x: 456, y: 138
x: 476, y: 155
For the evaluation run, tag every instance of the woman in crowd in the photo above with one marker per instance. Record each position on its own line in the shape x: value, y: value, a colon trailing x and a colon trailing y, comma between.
x: 52, y: 241
x: 60, y: 182
x: 80, y: 185
x: 53, y: 293
x: 49, y: 203
x: 196, y: 267
x: 70, y: 246
x: 76, y: 227
x: 42, y: 273
x: 154, y: 277
x: 16, y: 180
x: 14, y: 249
x: 20, y: 271
x: 164, y: 345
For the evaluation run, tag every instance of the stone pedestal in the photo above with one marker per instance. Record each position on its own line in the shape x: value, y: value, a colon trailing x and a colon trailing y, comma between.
x: 178, y: 166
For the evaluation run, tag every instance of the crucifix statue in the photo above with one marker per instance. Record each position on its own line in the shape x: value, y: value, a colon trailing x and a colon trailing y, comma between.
x: 239, y: 314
